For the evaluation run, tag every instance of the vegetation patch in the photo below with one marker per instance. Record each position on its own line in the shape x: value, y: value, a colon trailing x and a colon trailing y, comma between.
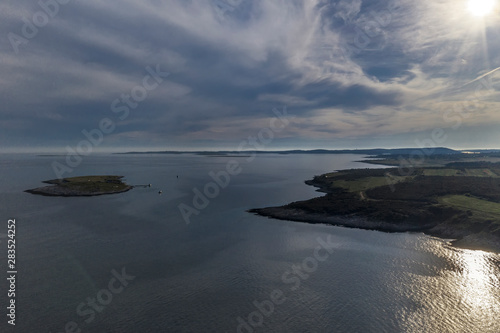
x: 458, y: 200
x: 363, y: 184
x: 82, y: 186
x: 480, y: 208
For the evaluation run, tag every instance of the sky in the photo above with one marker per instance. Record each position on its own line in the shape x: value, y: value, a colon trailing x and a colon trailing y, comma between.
x: 213, y: 74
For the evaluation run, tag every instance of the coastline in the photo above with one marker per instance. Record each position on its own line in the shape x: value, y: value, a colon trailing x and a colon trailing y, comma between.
x: 353, y: 210
x: 463, y: 240
x: 86, y: 186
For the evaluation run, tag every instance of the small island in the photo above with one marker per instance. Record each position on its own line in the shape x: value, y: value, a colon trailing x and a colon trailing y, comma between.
x: 459, y: 201
x: 82, y: 186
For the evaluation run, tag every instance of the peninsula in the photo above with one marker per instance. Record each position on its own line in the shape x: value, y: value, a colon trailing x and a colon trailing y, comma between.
x: 459, y: 201
x: 82, y: 186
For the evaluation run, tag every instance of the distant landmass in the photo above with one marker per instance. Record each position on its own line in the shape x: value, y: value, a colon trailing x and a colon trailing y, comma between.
x: 376, y: 151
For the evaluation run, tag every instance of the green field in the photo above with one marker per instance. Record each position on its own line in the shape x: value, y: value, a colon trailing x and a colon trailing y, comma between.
x: 442, y: 172
x: 92, y: 183
x: 367, y: 183
x: 101, y: 179
x: 479, y: 207
x: 479, y: 172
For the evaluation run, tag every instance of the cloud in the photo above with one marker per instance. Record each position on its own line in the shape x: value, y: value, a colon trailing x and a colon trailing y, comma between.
x: 346, y: 69
x: 483, y: 76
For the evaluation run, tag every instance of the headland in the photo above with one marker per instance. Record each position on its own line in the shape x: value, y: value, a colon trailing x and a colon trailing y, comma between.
x: 457, y: 200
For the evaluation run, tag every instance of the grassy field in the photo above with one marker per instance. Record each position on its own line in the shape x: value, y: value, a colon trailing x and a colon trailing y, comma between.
x: 479, y: 207
x: 479, y: 172
x: 442, y: 172
x: 101, y: 179
x: 92, y: 183
x: 362, y: 182
x: 367, y: 183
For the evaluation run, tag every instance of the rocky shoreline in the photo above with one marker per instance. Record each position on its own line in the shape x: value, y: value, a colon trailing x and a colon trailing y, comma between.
x: 460, y: 238
x: 346, y: 209
x: 298, y: 215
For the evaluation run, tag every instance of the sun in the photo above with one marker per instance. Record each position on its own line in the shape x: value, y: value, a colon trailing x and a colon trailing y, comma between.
x: 480, y: 7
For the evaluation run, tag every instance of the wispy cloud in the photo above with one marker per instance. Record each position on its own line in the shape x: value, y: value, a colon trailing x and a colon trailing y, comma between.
x: 482, y: 76
x: 346, y: 69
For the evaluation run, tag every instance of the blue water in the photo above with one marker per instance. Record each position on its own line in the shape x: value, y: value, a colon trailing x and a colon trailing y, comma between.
x: 205, y: 276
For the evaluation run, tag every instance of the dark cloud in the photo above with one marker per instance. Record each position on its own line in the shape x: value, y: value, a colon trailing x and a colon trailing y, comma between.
x: 348, y: 69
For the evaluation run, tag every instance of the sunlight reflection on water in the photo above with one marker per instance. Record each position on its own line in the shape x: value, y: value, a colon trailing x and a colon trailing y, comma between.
x: 479, y: 284
x: 464, y: 297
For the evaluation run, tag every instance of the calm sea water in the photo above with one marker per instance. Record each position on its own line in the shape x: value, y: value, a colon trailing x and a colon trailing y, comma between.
x: 214, y: 274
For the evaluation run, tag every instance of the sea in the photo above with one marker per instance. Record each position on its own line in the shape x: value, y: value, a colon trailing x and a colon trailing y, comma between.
x: 192, y: 259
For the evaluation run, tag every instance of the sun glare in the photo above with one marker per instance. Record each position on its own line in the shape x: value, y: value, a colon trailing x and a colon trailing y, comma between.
x: 480, y: 7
